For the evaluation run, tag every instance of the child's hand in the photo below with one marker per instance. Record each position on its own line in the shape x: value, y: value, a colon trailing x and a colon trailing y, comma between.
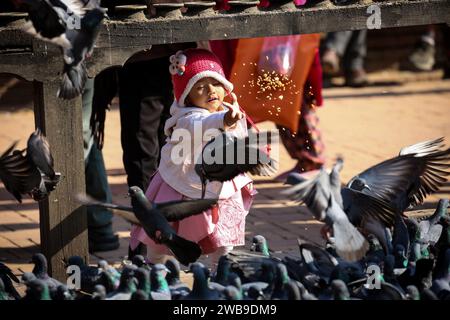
x: 233, y: 114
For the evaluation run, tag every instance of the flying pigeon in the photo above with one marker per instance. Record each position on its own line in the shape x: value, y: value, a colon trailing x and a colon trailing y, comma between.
x: 157, y: 227
x: 404, y: 181
x: 31, y: 173
x: 171, y: 210
x: 319, y: 194
x: 227, y: 156
x: 73, y: 25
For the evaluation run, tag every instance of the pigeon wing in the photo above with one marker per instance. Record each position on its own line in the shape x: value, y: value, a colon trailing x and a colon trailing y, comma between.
x: 46, y: 22
x: 38, y: 149
x: 178, y: 210
x: 17, y: 173
x: 122, y: 211
x: 315, y: 193
x: 358, y: 204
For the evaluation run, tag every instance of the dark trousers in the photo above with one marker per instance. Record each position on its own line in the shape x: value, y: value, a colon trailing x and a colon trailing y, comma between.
x: 351, y: 45
x: 145, y: 94
x: 99, y: 219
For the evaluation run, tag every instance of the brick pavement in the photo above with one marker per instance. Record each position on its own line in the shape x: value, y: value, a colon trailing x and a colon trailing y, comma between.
x: 365, y: 126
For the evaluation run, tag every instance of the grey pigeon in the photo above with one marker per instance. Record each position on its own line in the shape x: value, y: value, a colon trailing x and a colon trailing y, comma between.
x: 200, y: 288
x: 37, y: 289
x: 110, y: 277
x: 127, y: 284
x: 319, y: 196
x: 340, y: 290
x: 248, y: 265
x: 317, y: 260
x: 429, y: 229
x: 412, y: 293
x: 7, y: 277
x: 99, y: 292
x: 158, y: 228
x: 90, y: 276
x: 62, y: 293
x: 73, y: 25
x: 226, y: 156
x: 441, y: 281
x: 31, y: 173
x: 259, y: 244
x: 143, y: 291
x: 159, y: 288
x: 40, y: 271
x: 404, y: 181
x: 177, y: 288
x: 4, y: 295
x: 232, y: 293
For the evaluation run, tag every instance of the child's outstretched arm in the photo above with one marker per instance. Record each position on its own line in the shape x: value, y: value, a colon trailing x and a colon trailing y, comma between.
x: 233, y: 114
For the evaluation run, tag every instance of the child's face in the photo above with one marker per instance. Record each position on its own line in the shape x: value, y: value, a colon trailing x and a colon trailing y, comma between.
x: 207, y: 93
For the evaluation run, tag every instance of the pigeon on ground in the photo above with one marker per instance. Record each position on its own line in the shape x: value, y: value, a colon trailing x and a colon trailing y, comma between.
x: 259, y: 244
x: 177, y: 288
x: 248, y: 265
x: 37, y: 289
x: 322, y: 197
x: 441, y: 279
x: 7, y: 277
x: 127, y: 285
x: 40, y: 271
x: 4, y: 295
x: 226, y: 156
x: 159, y: 288
x: 90, y: 276
x: 99, y: 293
x: 73, y: 25
x: 429, y: 228
x: 31, y: 173
x: 200, y: 288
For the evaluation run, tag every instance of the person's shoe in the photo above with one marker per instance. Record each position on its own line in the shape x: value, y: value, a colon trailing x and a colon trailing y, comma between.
x: 330, y: 62
x: 104, y: 243
x: 422, y: 58
x: 356, y: 78
x: 446, y: 73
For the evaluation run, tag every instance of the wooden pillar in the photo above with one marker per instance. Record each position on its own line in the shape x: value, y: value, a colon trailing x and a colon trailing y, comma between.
x: 63, y: 222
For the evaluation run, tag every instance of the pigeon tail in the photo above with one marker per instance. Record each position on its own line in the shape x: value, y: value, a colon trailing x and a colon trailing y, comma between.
x: 184, y: 250
x: 74, y: 79
x: 350, y: 243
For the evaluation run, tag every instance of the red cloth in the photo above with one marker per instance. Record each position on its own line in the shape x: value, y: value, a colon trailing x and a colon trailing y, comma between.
x: 315, y: 79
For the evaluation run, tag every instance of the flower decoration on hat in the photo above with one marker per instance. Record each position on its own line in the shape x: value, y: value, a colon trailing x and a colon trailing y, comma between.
x: 177, y: 63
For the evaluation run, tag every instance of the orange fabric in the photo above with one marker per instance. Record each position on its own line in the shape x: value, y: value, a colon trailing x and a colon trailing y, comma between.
x: 285, y: 107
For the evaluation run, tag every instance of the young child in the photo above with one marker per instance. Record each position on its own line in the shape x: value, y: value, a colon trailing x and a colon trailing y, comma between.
x: 200, y: 87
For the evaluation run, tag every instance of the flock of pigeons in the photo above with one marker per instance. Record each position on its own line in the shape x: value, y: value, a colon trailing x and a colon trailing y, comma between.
x: 421, y: 272
x: 364, y: 224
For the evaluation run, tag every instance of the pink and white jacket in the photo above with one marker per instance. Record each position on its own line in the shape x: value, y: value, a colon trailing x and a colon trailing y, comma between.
x: 188, y: 130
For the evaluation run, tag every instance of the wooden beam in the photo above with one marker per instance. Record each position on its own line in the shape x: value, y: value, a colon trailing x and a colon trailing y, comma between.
x: 284, y: 20
x: 63, y: 222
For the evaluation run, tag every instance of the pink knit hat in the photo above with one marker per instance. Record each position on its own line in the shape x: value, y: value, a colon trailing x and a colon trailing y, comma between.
x: 189, y: 66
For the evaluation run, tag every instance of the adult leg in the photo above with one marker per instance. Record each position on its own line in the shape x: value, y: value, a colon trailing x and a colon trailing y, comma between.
x: 100, y: 233
x: 334, y: 47
x: 354, y: 57
x: 145, y: 95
